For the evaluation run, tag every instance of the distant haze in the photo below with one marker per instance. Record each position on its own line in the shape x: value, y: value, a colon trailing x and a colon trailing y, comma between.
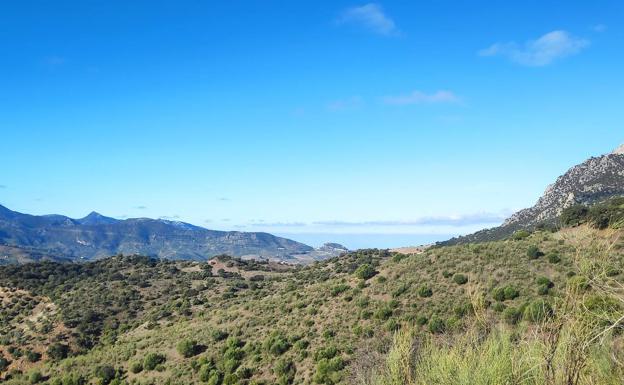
x: 364, y: 241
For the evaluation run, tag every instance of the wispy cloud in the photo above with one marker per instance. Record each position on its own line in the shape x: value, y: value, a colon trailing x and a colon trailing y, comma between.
x: 599, y: 28
x: 170, y: 217
x: 279, y: 224
x: 419, y: 97
x: 351, y: 103
x: 540, y: 52
x: 3, y: 186
x: 453, y: 220
x: 370, y: 16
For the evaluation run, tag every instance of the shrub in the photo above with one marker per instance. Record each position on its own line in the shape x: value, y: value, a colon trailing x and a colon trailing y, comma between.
x: 537, y: 311
x: 285, y: 371
x: 339, y: 289
x: 35, y: 377
x: 58, y: 351
x: 505, y: 293
x: 511, y: 292
x: 328, y: 371
x: 499, y: 307
x: 574, y: 215
x: 105, y: 373
x: 365, y: 272
x: 219, y: 335
x: 511, y: 315
x: 533, y: 252
x: 520, y: 234
x: 383, y: 313
x: 554, y: 258
x: 460, y: 279
x: 425, y: 291
x: 276, y: 344
x: 187, y: 348
x: 33, y: 356
x: 437, y: 325
x: 136, y: 367
x: 325, y: 353
x: 152, y: 360
x: 463, y: 310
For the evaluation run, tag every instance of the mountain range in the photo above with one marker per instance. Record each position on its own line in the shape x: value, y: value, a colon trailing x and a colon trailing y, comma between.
x: 26, y: 237
x: 592, y: 181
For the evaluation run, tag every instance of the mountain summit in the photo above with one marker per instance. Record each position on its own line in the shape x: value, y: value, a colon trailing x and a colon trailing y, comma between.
x: 594, y: 180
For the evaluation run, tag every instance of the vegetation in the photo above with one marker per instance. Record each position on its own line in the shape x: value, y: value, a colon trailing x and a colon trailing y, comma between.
x: 135, y: 320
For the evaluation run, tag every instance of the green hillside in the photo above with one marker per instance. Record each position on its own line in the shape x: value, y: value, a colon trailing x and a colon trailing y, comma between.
x: 134, y: 320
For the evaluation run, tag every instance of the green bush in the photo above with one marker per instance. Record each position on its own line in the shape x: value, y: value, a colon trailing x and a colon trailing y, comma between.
x: 105, y: 373
x: 537, y: 310
x: 328, y: 371
x: 136, y: 367
x: 511, y: 315
x: 152, y: 360
x: 425, y: 291
x: 505, y: 293
x: 32, y: 356
x: 58, y: 351
x: 187, y: 348
x: 276, y: 344
x: 554, y: 258
x: 437, y: 325
x: 533, y: 252
x: 35, y: 377
x: 460, y: 279
x: 520, y: 234
x: 365, y: 272
x: 574, y: 215
x: 339, y: 289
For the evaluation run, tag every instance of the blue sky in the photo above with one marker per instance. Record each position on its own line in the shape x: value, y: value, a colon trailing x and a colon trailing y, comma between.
x: 373, y: 124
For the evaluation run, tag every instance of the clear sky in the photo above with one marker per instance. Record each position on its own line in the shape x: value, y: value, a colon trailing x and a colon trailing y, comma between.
x: 373, y: 124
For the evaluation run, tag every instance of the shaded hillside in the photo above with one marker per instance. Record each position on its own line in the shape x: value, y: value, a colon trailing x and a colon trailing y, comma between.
x: 97, y: 236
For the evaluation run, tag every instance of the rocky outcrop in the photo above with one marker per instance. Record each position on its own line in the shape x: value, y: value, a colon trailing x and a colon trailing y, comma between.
x: 592, y: 181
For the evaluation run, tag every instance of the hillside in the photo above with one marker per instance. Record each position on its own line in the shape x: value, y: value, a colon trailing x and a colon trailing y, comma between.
x: 594, y: 180
x: 242, y: 322
x: 30, y: 237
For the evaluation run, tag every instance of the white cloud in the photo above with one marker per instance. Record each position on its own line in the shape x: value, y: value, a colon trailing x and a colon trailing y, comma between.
x: 370, y: 16
x: 418, y: 97
x: 540, y: 52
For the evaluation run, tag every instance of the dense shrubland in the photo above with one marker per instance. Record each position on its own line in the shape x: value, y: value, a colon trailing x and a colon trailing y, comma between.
x: 133, y: 320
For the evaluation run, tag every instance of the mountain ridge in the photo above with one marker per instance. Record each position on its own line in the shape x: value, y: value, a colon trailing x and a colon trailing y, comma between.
x: 592, y: 181
x: 97, y: 236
